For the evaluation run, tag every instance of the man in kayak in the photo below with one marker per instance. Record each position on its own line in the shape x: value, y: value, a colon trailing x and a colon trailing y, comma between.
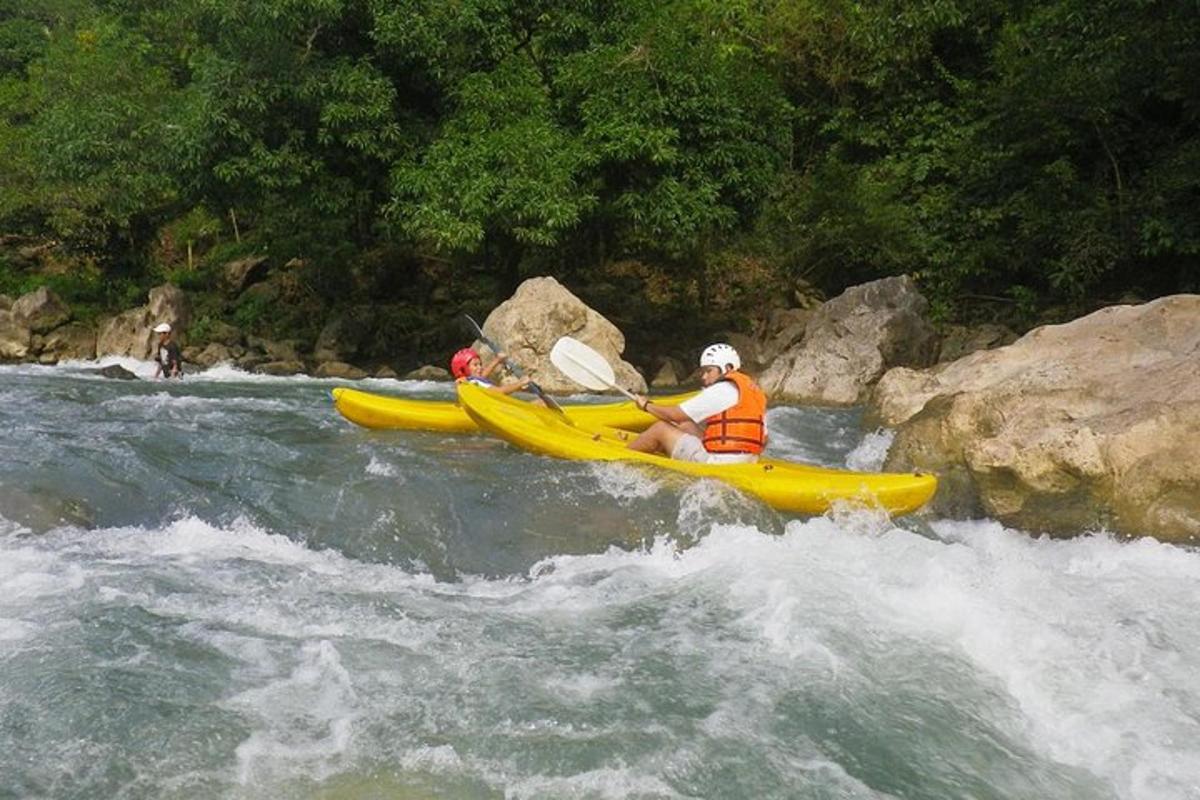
x: 167, y: 357
x: 726, y: 423
x: 466, y: 365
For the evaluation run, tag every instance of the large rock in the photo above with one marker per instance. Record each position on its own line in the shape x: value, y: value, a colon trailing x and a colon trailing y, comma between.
x: 40, y: 310
x: 339, y: 369
x: 429, y: 372
x: 113, y: 371
x: 537, y: 315
x: 213, y: 353
x: 74, y: 341
x: 1073, y: 428
x: 343, y: 336
x: 15, y: 338
x: 285, y: 350
x: 286, y: 367
x: 224, y: 333
x: 780, y: 330
x: 131, y: 333
x: 850, y: 341
x: 237, y: 275
x: 169, y: 304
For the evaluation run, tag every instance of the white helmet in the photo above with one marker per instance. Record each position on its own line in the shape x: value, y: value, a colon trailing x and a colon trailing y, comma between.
x: 720, y: 355
x: 162, y: 327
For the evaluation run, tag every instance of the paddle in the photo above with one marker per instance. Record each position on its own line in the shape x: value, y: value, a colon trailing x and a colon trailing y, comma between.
x: 514, y: 368
x: 585, y: 366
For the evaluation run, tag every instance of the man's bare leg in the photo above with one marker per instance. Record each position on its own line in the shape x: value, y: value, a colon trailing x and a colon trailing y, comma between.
x: 658, y: 438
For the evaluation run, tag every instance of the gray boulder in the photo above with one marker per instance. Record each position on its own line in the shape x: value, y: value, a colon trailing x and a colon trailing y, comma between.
x: 850, y: 341
x: 213, y: 353
x: 131, y: 333
x: 237, y: 275
x: 292, y: 367
x: 72, y: 341
x: 342, y: 336
x: 285, y: 350
x: 339, y: 369
x: 428, y: 373
x: 15, y: 338
x: 540, y: 312
x: 169, y: 304
x: 114, y: 372
x: 40, y: 310
x: 1089, y: 425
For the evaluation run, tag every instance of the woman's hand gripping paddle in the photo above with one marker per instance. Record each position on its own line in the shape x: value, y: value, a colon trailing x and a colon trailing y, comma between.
x: 514, y: 368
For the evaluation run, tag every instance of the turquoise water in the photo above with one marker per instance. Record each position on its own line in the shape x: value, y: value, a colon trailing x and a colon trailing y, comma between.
x: 220, y: 588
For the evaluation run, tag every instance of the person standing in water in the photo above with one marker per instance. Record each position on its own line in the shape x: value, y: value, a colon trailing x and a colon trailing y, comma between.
x: 726, y: 423
x: 168, y: 359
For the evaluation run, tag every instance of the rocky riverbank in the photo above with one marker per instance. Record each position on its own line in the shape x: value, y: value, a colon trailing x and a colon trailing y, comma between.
x: 1072, y: 428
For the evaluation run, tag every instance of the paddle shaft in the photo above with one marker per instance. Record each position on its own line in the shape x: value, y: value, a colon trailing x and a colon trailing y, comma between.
x: 515, y: 369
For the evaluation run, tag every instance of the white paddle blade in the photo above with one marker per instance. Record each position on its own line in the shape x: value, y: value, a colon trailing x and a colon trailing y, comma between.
x: 582, y: 364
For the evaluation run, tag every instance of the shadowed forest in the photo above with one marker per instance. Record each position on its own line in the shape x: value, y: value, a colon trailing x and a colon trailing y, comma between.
x: 680, y: 165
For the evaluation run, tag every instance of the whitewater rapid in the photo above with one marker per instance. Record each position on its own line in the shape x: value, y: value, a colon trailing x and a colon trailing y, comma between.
x: 222, y: 589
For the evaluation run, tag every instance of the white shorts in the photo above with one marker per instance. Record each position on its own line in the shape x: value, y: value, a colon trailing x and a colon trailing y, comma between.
x: 690, y: 448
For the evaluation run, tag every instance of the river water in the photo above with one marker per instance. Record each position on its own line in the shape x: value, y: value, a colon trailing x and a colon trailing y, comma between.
x: 221, y: 589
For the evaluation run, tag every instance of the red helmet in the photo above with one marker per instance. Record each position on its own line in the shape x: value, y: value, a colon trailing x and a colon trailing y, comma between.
x: 459, y: 363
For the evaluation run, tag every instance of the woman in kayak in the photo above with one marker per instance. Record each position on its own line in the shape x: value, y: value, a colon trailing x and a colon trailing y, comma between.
x: 466, y: 365
x: 726, y: 423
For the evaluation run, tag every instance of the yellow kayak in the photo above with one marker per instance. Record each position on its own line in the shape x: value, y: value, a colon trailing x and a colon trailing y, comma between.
x: 383, y: 411
x: 784, y: 485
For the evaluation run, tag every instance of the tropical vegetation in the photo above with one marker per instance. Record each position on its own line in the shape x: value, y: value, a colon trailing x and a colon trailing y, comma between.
x: 673, y: 159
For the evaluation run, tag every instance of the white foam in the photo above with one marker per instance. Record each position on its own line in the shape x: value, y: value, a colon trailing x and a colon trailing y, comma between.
x: 305, y: 722
x: 870, y: 453
x: 13, y: 629
x: 443, y: 758
x: 618, y: 782
x: 624, y: 481
x: 1081, y: 651
x: 381, y: 468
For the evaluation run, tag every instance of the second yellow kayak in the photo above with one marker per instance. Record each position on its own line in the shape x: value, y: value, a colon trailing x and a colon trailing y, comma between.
x: 784, y: 485
x: 443, y: 416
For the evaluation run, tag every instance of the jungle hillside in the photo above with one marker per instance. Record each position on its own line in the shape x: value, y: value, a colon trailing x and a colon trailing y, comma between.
x: 680, y: 164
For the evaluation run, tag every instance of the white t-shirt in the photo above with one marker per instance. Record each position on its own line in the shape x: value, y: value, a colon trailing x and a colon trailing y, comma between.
x: 711, y: 401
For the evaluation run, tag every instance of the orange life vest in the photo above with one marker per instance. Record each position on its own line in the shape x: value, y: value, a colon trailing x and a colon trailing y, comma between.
x: 740, y: 429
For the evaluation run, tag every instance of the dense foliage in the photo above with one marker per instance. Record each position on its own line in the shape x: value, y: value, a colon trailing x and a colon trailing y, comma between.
x: 1019, y: 153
